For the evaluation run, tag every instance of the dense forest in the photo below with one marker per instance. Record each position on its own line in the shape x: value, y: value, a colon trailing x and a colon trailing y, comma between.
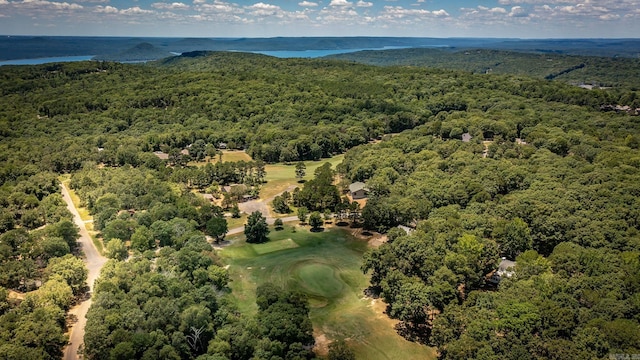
x: 544, y: 177
x: 573, y: 69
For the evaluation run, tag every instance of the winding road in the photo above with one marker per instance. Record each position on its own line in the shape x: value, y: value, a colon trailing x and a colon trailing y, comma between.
x: 94, y: 262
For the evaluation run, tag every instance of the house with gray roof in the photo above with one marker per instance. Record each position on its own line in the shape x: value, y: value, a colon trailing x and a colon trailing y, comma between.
x: 358, y: 190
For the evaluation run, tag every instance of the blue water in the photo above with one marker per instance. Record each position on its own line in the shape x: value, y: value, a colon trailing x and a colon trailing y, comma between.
x: 46, y: 60
x: 279, y: 54
x: 318, y: 53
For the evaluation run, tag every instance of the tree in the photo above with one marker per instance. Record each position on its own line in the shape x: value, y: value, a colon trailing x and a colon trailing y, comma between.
x: 217, y: 227
x: 280, y: 205
x: 315, y: 220
x: 116, y: 249
x: 71, y: 269
x: 302, y: 214
x: 256, y: 229
x: 235, y: 211
x: 118, y: 228
x: 143, y: 239
x: 301, y: 170
x: 515, y: 239
x: 339, y: 350
x: 278, y: 224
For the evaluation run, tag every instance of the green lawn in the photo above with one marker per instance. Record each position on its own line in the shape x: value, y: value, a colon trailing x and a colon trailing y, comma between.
x: 280, y: 176
x: 325, y: 266
x: 227, y: 155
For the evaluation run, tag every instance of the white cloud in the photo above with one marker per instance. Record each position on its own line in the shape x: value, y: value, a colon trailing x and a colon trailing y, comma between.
x: 440, y: 13
x: 106, y: 9
x: 395, y: 13
x: 136, y: 10
x: 362, y: 3
x: 263, y: 6
x: 518, y: 11
x: 198, y: 2
x: 46, y: 5
x: 306, y: 3
x: 608, y: 17
x: 262, y: 9
x: 340, y: 3
x: 172, y: 6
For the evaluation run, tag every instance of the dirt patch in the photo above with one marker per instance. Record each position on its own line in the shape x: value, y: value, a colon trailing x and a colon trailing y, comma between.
x: 377, y: 239
x: 14, y: 295
x: 321, y: 346
x: 373, y: 238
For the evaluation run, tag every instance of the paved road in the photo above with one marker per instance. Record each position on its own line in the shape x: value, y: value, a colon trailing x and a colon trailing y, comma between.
x: 94, y: 262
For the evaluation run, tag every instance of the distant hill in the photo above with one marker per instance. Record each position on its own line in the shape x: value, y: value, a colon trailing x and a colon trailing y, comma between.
x: 141, y: 52
x: 30, y: 47
x: 573, y: 69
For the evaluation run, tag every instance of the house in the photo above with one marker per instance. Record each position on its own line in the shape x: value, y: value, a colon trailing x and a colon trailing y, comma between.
x: 466, y: 137
x: 161, y: 155
x: 222, y: 145
x: 506, y: 269
x: 358, y: 190
x: 406, y: 229
x: 237, y: 188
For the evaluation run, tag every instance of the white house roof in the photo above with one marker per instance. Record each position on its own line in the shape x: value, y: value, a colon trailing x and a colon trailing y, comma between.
x: 506, y: 268
x: 356, y: 186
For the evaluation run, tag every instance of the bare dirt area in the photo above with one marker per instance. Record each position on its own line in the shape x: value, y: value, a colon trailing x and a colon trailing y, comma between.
x: 321, y: 347
x: 94, y: 262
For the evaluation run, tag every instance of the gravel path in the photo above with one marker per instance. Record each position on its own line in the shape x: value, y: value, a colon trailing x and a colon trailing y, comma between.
x: 94, y: 262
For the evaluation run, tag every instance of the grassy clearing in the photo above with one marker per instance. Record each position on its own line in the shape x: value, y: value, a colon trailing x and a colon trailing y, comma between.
x: 281, y: 176
x: 227, y: 155
x: 326, y: 266
x: 273, y: 246
x: 233, y: 223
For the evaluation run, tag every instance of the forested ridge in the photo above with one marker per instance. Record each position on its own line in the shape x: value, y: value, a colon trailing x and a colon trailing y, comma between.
x: 546, y: 179
x: 573, y: 69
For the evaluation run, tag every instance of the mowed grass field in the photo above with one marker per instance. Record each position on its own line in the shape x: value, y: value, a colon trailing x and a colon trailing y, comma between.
x: 281, y: 176
x: 325, y: 266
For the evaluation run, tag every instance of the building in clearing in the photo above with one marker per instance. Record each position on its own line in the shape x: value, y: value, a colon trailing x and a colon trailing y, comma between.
x: 358, y: 190
x: 506, y: 269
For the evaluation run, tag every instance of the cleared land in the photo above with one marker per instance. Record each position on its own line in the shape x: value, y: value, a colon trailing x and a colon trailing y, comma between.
x: 325, y: 266
x: 282, y: 176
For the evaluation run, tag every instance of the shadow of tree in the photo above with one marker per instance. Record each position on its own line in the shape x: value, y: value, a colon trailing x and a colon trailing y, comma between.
x: 419, y: 333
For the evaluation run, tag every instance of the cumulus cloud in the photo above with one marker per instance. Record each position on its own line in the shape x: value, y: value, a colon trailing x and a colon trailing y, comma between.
x: 340, y: 3
x: 47, y: 5
x: 362, y: 3
x: 518, y: 11
x: 398, y: 12
x: 308, y: 4
x: 263, y: 6
x: 136, y: 10
x: 172, y: 6
x: 106, y: 9
x: 262, y: 9
x: 440, y: 13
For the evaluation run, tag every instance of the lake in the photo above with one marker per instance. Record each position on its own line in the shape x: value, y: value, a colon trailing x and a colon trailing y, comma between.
x: 46, y: 60
x: 318, y: 53
x: 277, y: 53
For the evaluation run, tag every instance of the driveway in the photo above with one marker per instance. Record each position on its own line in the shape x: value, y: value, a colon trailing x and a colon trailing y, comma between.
x: 94, y: 262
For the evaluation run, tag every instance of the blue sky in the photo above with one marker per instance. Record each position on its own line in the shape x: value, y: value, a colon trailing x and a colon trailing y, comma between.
x: 267, y: 18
